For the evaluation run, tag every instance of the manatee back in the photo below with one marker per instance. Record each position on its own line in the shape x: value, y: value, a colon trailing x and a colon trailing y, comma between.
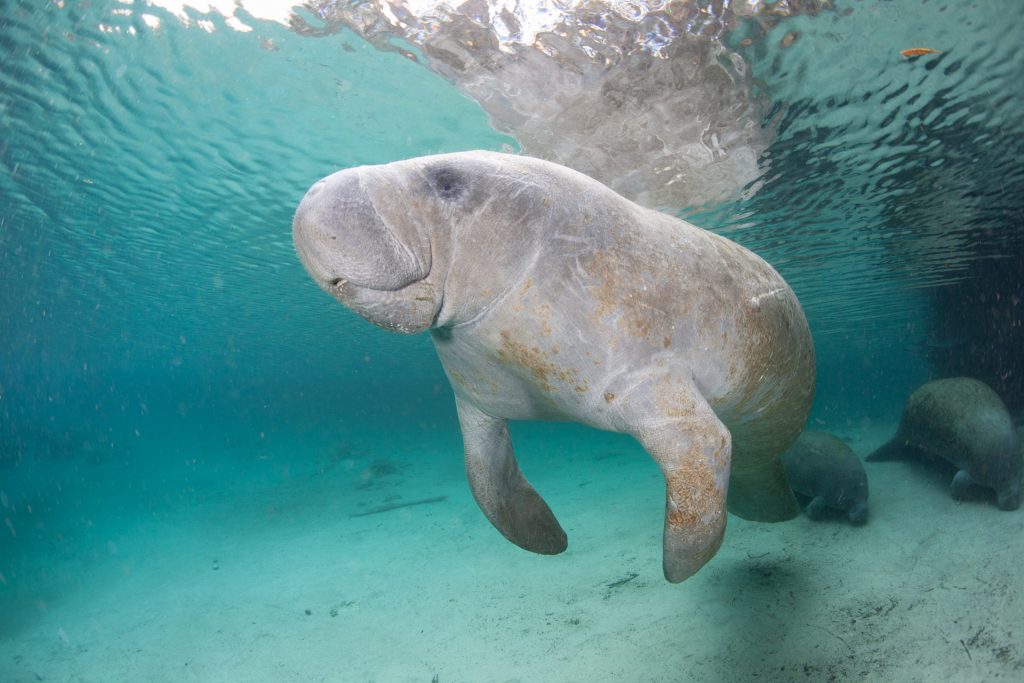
x: 964, y: 422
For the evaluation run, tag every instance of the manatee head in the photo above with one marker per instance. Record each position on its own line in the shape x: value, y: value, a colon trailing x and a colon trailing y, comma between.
x: 431, y: 241
x: 377, y: 237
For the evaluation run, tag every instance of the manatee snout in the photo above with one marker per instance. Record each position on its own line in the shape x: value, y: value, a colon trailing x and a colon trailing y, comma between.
x: 349, y: 240
x: 858, y: 513
x: 1010, y: 499
x: 339, y: 235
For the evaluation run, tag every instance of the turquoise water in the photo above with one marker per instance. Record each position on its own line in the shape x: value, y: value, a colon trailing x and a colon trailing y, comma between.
x: 187, y: 423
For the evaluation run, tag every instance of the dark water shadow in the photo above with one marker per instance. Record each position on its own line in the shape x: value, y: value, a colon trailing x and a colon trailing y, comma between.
x: 769, y: 603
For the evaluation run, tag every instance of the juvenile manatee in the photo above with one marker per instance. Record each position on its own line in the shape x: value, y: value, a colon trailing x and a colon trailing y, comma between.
x: 550, y: 297
x: 824, y: 471
x: 964, y: 422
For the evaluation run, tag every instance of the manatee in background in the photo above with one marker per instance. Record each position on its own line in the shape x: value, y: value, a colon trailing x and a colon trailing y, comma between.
x: 825, y: 472
x: 550, y: 297
x: 964, y: 422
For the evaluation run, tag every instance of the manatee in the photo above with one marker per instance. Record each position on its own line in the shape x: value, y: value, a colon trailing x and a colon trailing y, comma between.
x: 965, y: 423
x: 550, y: 297
x: 826, y: 473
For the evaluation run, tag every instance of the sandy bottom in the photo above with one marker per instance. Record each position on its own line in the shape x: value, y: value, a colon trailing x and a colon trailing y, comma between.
x: 256, y: 570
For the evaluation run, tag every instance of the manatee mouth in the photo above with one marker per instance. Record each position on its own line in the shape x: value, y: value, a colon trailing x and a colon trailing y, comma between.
x: 421, y: 290
x: 339, y: 285
x: 342, y: 239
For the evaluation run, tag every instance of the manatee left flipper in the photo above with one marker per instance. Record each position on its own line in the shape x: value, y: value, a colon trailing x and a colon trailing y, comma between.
x: 499, y: 487
x: 694, y: 450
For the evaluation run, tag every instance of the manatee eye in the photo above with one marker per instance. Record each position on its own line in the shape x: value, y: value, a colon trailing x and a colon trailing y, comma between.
x: 448, y: 183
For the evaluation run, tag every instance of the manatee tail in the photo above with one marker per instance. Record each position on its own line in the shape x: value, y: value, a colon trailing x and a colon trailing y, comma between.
x: 895, y: 449
x: 759, y: 492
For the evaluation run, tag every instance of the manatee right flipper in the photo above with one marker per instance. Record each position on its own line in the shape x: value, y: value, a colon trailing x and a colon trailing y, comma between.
x: 499, y: 487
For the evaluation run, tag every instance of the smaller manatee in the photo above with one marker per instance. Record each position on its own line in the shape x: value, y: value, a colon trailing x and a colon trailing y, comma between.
x: 825, y: 473
x: 965, y: 423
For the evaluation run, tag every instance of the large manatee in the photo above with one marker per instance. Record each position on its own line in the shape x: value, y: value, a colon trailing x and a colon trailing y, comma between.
x: 550, y: 297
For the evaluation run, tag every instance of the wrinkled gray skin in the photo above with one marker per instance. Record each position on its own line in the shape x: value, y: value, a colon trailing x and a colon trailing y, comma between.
x: 964, y: 422
x: 823, y: 470
x: 550, y: 297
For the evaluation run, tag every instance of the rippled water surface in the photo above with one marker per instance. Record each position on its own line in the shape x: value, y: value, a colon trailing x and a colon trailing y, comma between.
x: 152, y: 160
